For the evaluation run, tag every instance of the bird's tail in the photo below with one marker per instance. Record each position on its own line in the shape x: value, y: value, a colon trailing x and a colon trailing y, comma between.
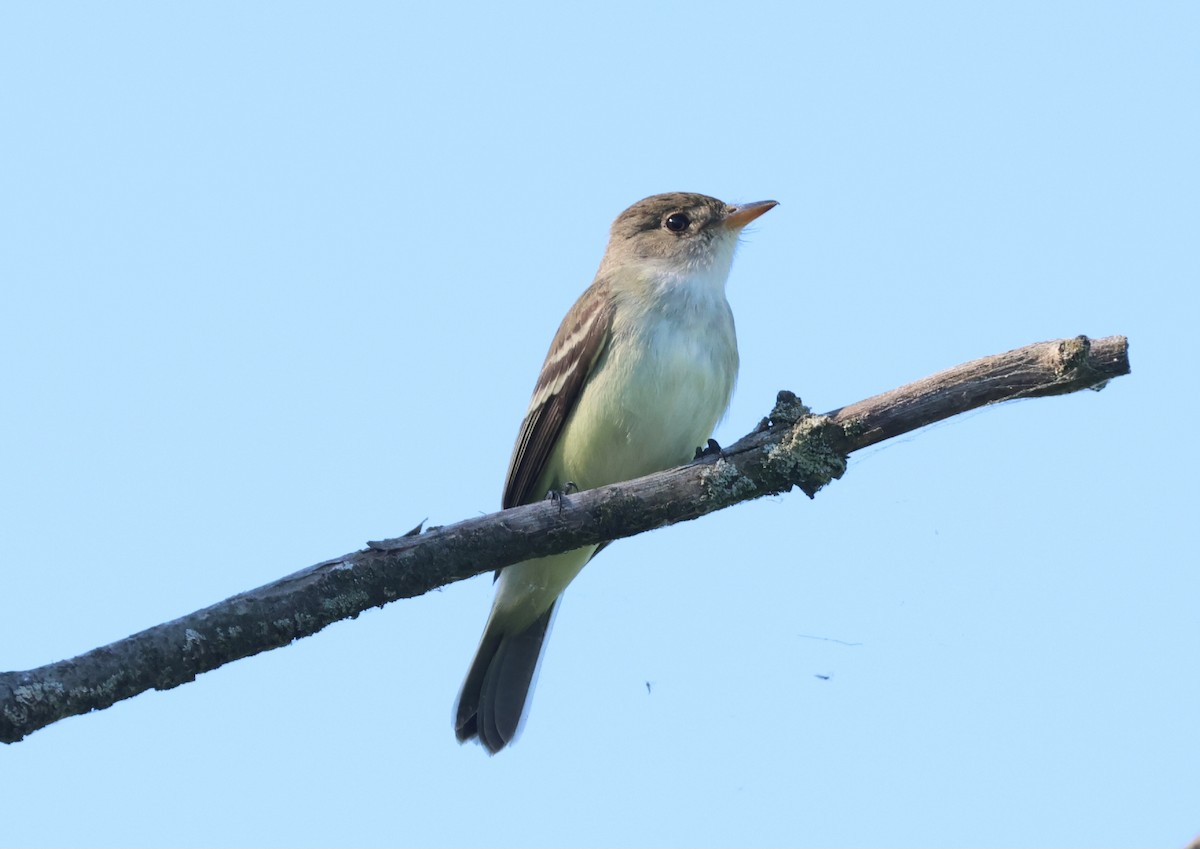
x: 496, y: 692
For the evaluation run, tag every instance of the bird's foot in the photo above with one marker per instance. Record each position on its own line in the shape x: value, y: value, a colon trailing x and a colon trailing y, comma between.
x: 559, y: 496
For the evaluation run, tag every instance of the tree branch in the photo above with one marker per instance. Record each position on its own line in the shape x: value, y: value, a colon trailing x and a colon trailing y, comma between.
x: 789, y: 448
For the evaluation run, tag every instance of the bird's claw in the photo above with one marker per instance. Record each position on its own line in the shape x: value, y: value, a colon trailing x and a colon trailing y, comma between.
x: 560, y: 496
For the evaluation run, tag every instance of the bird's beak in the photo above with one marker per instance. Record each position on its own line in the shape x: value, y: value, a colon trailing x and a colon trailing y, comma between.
x: 744, y: 213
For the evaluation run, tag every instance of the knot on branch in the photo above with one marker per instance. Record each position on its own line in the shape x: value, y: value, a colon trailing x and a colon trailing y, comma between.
x: 1075, y: 363
x: 809, y: 455
x: 1072, y: 355
x: 788, y: 409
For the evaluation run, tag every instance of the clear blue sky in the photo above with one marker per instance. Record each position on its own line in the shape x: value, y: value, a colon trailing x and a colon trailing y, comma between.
x: 277, y: 279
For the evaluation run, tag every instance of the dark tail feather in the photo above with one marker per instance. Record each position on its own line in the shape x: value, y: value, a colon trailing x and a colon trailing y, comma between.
x: 497, y: 687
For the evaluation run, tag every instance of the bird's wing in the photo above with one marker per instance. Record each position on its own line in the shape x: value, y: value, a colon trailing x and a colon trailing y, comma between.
x: 581, y: 339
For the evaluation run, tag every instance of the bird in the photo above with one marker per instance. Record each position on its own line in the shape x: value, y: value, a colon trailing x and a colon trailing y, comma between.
x: 639, y: 373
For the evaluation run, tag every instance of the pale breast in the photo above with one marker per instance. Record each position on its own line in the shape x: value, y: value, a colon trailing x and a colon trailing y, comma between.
x: 654, y: 397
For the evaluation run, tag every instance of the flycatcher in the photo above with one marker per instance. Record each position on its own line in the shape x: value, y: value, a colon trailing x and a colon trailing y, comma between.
x: 639, y: 373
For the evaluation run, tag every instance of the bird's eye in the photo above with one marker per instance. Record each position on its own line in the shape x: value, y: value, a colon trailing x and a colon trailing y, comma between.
x: 677, y: 222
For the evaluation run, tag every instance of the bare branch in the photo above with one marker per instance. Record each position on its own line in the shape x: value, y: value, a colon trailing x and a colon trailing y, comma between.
x: 790, y: 448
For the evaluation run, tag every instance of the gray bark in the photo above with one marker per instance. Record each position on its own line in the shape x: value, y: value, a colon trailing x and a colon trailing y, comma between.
x: 790, y: 447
